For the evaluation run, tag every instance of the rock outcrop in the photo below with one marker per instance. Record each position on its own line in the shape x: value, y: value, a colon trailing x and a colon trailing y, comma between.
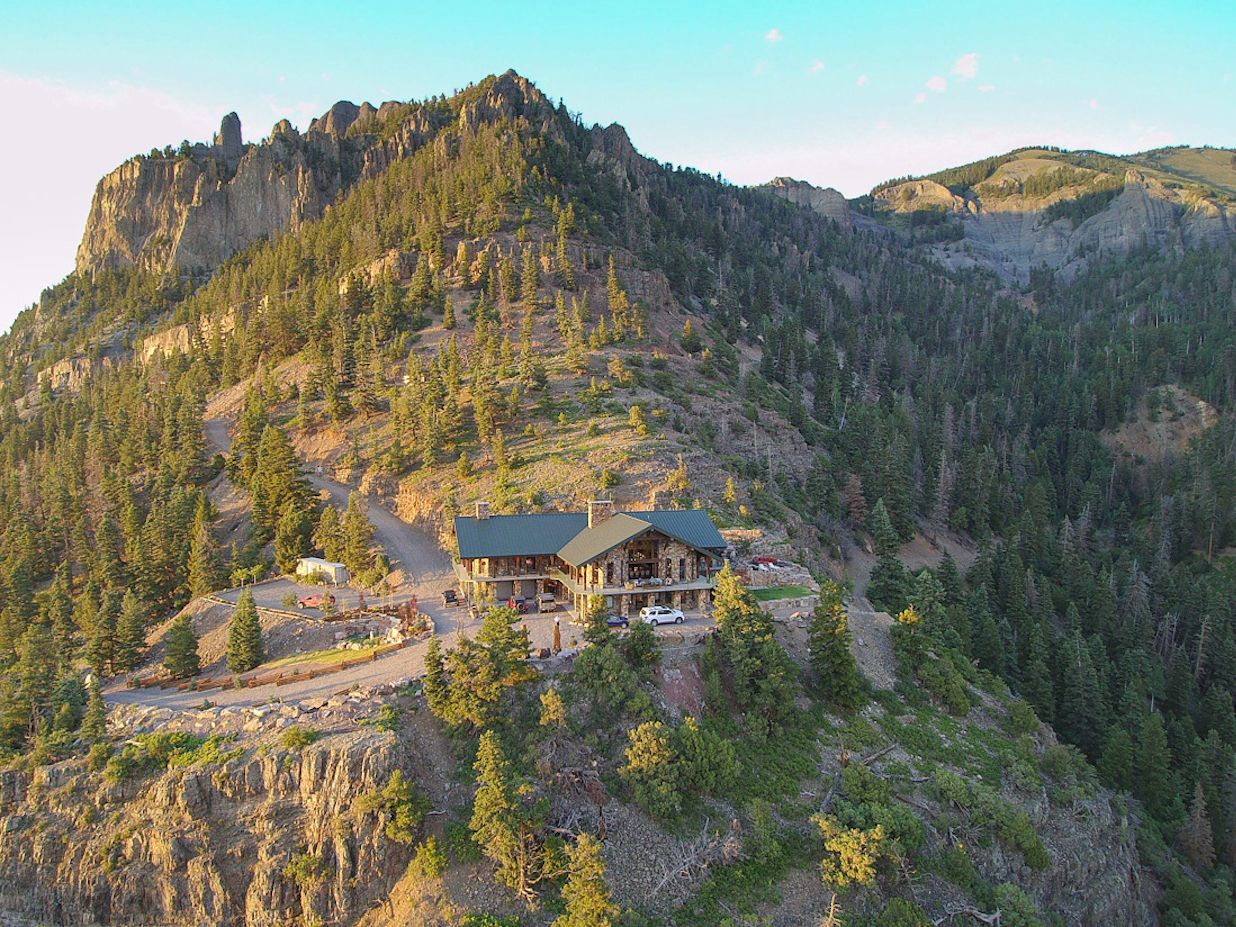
x: 193, y: 210
x: 824, y: 200
x: 1013, y: 234
x: 204, y: 844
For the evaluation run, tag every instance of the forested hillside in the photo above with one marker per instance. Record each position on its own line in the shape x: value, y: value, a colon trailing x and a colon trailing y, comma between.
x: 502, y: 303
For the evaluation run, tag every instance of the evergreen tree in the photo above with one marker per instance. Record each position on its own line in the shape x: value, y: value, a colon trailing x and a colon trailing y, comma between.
x: 501, y: 826
x: 94, y: 722
x: 357, y: 535
x: 205, y: 572
x: 585, y: 894
x: 1195, y: 839
x: 245, y: 649
x: 829, y: 649
x: 180, y: 658
x: 130, y: 633
x: 293, y: 536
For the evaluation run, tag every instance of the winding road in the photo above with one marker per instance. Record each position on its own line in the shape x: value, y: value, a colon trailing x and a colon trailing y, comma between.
x: 426, y: 566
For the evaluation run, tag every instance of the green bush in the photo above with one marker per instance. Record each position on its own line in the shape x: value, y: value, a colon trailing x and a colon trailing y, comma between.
x: 402, y: 803
x: 902, y: 913
x: 305, y: 869
x: 297, y: 737
x: 430, y: 861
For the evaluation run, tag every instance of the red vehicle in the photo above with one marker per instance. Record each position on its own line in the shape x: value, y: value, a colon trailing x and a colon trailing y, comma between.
x: 520, y: 605
x: 315, y: 600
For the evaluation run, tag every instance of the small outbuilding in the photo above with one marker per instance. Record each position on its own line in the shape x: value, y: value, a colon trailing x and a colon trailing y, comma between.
x: 318, y: 569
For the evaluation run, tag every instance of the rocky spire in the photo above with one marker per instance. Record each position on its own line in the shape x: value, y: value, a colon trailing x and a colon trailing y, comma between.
x: 228, y: 141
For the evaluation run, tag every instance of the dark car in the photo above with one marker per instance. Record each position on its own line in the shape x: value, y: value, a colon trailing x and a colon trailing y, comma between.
x: 520, y: 605
x: 450, y: 597
x: 617, y: 621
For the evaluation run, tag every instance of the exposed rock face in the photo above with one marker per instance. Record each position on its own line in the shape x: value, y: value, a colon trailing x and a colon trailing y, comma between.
x: 228, y: 141
x: 824, y: 200
x: 205, y: 844
x: 1013, y: 235
x: 194, y: 211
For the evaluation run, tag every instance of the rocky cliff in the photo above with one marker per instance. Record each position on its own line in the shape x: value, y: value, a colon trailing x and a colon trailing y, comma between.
x: 195, y: 208
x: 210, y: 843
x: 824, y: 200
x: 1042, y: 212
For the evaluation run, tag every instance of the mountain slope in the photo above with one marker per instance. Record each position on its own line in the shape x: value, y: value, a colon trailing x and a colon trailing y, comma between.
x: 1056, y: 209
x: 503, y: 304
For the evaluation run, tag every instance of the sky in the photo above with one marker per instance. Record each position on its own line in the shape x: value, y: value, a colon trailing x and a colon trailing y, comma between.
x: 840, y: 94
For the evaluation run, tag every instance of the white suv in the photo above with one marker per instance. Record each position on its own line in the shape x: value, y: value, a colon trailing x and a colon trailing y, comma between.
x: 661, y: 614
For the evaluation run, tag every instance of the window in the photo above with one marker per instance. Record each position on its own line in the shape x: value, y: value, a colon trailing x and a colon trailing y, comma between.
x: 682, y: 569
x: 609, y: 573
x: 669, y: 568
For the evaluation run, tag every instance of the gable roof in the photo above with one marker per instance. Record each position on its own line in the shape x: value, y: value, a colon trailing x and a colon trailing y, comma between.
x: 541, y: 534
x: 567, y: 533
x: 600, y: 540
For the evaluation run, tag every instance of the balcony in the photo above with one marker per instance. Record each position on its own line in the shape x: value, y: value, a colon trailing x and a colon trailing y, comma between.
x: 640, y: 587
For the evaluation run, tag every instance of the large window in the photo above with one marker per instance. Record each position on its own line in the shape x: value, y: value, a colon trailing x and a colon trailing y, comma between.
x: 682, y: 568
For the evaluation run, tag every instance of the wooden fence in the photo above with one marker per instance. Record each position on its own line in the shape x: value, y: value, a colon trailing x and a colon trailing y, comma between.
x: 254, y: 679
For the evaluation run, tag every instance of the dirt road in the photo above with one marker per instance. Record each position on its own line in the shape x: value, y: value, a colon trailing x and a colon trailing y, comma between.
x: 410, y: 548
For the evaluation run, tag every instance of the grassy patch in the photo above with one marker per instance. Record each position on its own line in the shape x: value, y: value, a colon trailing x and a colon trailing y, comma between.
x: 331, y: 655
x: 772, y: 593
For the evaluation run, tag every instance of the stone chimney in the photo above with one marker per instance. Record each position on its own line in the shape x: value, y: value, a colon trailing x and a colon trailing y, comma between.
x: 598, y: 511
x: 482, y: 511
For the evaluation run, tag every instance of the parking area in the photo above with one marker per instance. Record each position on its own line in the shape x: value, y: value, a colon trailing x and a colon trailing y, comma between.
x: 284, y: 593
x: 541, y: 627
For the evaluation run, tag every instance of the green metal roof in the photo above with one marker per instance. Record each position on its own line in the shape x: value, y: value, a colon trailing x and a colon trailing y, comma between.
x: 596, y: 542
x: 517, y: 535
x: 567, y: 533
x: 693, y: 527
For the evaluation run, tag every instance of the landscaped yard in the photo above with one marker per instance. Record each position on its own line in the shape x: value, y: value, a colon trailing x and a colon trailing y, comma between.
x: 332, y: 655
x: 781, y: 592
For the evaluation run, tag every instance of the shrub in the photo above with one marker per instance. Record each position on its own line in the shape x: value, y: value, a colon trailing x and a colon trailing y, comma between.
x: 305, y: 869
x: 1016, y: 908
x: 429, y: 862
x: 98, y: 756
x: 902, y: 913
x: 651, y: 769
x: 850, y: 854
x: 401, y: 802
x: 297, y: 737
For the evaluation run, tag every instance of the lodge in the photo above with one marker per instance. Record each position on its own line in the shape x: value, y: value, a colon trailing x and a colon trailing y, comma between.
x: 632, y: 559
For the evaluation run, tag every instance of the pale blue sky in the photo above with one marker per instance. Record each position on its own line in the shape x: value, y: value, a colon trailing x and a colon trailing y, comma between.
x: 841, y: 94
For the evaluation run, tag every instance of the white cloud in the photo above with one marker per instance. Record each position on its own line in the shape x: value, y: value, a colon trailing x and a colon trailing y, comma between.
x: 882, y: 125
x: 920, y: 97
x: 760, y: 68
x: 816, y: 67
x: 937, y: 84
x: 986, y: 88
x: 1094, y: 103
x: 966, y: 67
x: 773, y: 35
x: 862, y: 80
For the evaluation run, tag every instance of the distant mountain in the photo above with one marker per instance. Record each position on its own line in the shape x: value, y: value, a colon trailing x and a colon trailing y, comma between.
x: 1046, y: 207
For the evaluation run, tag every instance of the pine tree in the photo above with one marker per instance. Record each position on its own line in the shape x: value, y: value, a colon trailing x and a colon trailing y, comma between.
x: 887, y: 542
x: 1195, y: 838
x: 500, y: 825
x: 329, y: 534
x: 94, y: 722
x: 434, y: 683
x: 205, y: 572
x: 180, y: 658
x: 101, y: 641
x: 829, y: 649
x: 245, y: 649
x: 130, y: 633
x: 586, y: 895
x: 357, y: 535
x: 292, y: 536
x: 1155, y: 781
